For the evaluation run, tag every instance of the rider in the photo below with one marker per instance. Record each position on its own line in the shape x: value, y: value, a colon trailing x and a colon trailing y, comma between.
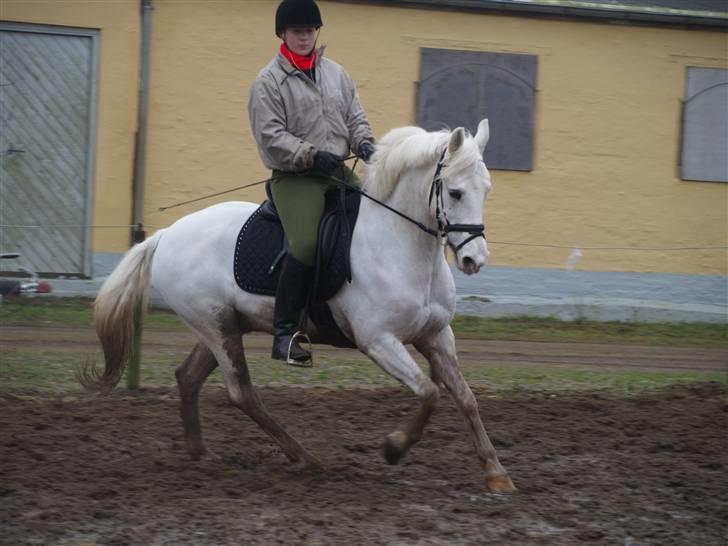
x: 305, y: 116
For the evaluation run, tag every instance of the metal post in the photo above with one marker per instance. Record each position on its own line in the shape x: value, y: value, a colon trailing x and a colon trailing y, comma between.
x: 138, y: 234
x: 141, y: 134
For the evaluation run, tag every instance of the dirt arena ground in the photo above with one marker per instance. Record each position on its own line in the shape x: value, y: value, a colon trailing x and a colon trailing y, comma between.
x: 591, y: 469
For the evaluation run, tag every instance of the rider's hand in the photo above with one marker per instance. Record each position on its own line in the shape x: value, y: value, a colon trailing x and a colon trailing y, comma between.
x: 326, y: 162
x: 366, y: 150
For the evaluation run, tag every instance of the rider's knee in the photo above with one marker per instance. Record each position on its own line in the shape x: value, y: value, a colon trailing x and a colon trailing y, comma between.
x: 304, y: 251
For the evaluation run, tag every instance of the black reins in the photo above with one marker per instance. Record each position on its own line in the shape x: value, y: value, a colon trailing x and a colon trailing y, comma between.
x: 361, y: 192
x: 443, y: 228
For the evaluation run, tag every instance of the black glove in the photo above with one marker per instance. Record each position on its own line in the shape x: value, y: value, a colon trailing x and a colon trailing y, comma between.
x: 366, y: 150
x: 326, y: 162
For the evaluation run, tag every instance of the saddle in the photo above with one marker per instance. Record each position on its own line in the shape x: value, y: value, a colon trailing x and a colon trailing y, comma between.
x: 261, y: 246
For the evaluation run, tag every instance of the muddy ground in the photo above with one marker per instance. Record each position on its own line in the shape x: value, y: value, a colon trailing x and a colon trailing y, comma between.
x: 590, y: 468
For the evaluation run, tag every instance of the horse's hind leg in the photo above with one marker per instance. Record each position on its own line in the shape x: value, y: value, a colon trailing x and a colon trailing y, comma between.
x: 227, y: 346
x: 191, y: 375
x: 393, y: 358
x: 442, y: 356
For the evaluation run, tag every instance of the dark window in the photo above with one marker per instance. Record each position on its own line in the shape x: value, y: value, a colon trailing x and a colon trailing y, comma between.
x: 459, y: 88
x: 705, y: 125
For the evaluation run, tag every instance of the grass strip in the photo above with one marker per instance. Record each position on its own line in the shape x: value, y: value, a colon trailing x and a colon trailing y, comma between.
x: 55, y: 372
x: 554, y: 330
x: 70, y: 312
x: 78, y: 312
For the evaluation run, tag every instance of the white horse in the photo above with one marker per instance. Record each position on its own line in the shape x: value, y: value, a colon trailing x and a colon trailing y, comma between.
x: 402, y: 291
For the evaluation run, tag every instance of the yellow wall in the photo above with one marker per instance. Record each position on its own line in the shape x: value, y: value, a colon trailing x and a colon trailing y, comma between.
x: 607, y: 122
x: 118, y: 21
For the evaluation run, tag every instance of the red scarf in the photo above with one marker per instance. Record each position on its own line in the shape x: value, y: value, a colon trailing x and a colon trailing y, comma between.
x: 302, y: 62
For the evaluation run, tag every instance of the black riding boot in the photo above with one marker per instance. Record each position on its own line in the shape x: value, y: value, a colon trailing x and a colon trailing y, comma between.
x: 291, y: 296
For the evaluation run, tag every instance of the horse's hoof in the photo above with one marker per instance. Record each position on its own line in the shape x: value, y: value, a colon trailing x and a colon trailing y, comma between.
x: 310, y: 466
x: 205, y: 454
x: 394, y: 447
x: 499, y: 484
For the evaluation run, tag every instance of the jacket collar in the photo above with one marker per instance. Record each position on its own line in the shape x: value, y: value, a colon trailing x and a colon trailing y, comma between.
x: 289, y: 69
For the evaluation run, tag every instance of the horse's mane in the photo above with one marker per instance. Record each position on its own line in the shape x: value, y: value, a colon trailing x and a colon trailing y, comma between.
x: 407, y: 148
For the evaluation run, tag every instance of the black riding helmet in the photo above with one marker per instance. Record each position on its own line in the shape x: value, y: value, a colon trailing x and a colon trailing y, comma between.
x: 297, y: 13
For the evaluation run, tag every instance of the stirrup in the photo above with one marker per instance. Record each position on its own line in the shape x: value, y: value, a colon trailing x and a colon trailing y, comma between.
x: 300, y: 363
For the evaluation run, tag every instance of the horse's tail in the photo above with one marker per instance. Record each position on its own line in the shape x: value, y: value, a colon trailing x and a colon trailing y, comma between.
x: 121, y: 299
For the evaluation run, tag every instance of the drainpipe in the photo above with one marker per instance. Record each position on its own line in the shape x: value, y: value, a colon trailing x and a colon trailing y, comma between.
x: 137, y: 232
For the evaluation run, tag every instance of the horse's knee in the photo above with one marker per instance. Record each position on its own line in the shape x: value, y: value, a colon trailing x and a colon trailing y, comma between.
x: 433, y: 392
x: 242, y: 398
x: 429, y: 398
x: 193, y: 372
x: 429, y: 394
x: 469, y: 405
x: 238, y: 399
x: 187, y: 389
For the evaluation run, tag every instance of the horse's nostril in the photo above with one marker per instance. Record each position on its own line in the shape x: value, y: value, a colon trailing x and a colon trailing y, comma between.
x: 469, y: 266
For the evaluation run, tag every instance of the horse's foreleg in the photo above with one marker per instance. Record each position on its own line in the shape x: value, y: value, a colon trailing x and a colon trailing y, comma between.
x: 441, y: 354
x: 393, y: 358
x: 231, y: 357
x: 191, y: 375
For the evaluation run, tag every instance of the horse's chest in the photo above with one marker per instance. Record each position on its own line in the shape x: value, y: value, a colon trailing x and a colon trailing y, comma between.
x: 438, y: 315
x: 434, y: 315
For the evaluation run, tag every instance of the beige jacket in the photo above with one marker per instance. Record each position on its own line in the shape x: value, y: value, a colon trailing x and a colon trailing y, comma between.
x: 292, y: 116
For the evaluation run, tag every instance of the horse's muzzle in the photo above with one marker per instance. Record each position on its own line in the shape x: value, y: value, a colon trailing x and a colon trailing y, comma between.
x: 469, y: 267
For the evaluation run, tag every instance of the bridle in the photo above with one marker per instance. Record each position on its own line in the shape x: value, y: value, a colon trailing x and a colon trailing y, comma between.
x: 445, y: 227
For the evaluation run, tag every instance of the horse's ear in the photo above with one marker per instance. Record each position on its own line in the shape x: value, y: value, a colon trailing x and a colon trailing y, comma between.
x: 456, y: 140
x: 483, y: 134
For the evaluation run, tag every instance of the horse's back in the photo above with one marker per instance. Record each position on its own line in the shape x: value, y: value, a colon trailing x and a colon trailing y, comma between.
x: 200, y: 244
x: 215, y: 221
x: 214, y: 216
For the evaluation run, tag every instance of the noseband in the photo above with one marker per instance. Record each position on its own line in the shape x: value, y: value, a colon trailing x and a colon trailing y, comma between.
x: 445, y: 227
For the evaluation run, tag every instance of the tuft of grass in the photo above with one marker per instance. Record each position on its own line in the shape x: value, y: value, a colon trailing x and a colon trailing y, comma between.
x: 55, y: 372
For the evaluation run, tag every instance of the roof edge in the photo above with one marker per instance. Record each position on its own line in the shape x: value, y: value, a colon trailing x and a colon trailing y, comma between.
x: 574, y: 10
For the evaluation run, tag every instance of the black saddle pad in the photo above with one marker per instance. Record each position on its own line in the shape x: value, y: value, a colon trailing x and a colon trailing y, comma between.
x: 261, y: 246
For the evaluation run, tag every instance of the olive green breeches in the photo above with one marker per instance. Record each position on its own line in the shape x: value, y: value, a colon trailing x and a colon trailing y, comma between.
x: 300, y: 200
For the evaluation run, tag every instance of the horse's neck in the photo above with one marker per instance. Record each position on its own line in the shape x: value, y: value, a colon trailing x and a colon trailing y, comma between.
x: 401, y: 240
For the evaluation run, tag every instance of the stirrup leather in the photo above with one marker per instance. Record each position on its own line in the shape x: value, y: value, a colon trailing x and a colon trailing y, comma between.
x: 300, y: 363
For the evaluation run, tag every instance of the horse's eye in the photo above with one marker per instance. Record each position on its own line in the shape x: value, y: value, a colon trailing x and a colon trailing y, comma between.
x: 455, y: 194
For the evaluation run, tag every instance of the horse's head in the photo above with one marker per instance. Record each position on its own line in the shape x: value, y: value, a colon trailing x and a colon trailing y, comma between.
x: 465, y: 187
